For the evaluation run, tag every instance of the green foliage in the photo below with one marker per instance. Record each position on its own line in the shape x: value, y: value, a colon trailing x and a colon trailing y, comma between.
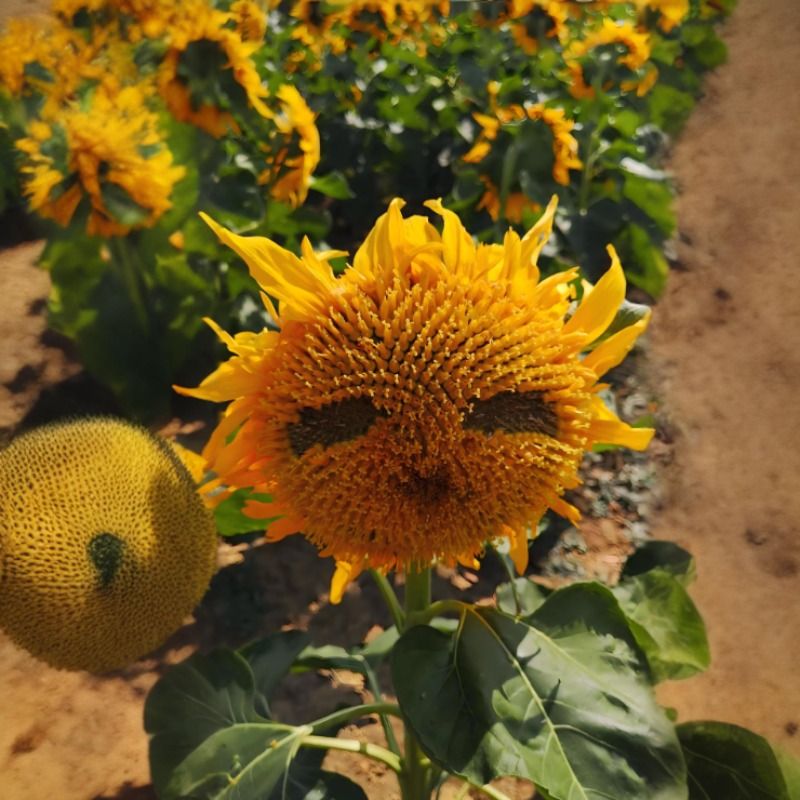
x: 726, y: 761
x: 231, y: 519
x: 556, y: 701
x: 554, y: 687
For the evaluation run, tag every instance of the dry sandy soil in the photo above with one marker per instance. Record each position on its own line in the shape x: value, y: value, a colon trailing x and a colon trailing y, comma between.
x: 725, y: 362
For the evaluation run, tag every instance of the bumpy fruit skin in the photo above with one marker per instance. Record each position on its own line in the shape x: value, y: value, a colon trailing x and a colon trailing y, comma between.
x: 104, y: 542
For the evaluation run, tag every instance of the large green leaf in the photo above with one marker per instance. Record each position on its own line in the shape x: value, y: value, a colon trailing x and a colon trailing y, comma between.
x: 306, y: 780
x: 666, y: 624
x: 270, y: 659
x: 564, y: 701
x: 211, y: 737
x: 726, y: 762
x: 356, y: 659
x: 659, y: 554
x: 243, y: 762
x: 193, y: 701
x: 520, y: 597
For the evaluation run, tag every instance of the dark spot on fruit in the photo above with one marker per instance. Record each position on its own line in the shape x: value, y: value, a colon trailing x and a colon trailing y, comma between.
x: 106, y: 552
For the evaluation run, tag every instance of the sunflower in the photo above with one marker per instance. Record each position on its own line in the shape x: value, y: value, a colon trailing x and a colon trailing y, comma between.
x: 251, y: 20
x: 110, y: 153
x: 534, y: 20
x: 517, y: 203
x: 291, y: 169
x: 636, y: 52
x: 41, y: 55
x: 431, y: 398
x: 315, y: 21
x: 565, y: 145
x: 203, y: 47
x: 672, y: 12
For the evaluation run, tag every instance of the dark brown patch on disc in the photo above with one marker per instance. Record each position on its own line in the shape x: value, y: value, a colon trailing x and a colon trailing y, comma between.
x: 513, y: 412
x: 427, y: 489
x: 331, y: 424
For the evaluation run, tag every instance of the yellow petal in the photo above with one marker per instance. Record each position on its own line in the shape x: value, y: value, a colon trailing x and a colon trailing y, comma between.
x: 344, y: 574
x: 376, y: 250
x: 194, y: 462
x: 300, y: 285
x: 227, y: 382
x: 222, y: 335
x: 597, y: 310
x: 277, y: 530
x: 611, y: 352
x: 608, y: 428
x: 468, y: 560
x: 536, y: 238
x: 459, y: 249
x: 566, y: 510
x: 518, y: 542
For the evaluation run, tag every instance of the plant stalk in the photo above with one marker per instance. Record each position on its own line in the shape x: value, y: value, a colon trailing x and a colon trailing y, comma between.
x: 373, y: 751
x: 418, y: 774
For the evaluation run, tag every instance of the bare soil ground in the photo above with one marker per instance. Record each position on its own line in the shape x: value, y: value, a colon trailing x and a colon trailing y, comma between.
x: 724, y: 360
x: 725, y: 342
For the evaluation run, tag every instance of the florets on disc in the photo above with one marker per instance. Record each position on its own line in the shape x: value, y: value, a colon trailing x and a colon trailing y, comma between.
x: 431, y: 398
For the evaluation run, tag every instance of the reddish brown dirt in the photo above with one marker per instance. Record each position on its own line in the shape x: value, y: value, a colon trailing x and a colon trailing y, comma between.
x: 724, y: 351
x: 726, y: 339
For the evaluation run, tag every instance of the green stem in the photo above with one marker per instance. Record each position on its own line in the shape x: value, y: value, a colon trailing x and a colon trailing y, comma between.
x: 373, y: 751
x: 374, y: 687
x: 390, y: 598
x: 418, y: 774
x: 418, y: 591
x: 490, y: 791
x: 344, y: 715
x: 437, y: 609
x: 129, y: 274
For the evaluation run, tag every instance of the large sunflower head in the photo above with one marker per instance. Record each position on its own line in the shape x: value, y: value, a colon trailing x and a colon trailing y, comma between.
x: 433, y: 397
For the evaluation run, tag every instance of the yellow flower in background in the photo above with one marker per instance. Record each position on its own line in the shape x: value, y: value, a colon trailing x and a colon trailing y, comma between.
x: 315, y: 27
x: 40, y: 54
x: 23, y: 42
x: 430, y: 399
x: 290, y: 171
x: 637, y: 47
x: 202, y: 27
x: 565, y: 145
x: 515, y: 207
x: 532, y: 19
x: 112, y: 146
x: 105, y: 544
x: 251, y: 20
x: 672, y: 12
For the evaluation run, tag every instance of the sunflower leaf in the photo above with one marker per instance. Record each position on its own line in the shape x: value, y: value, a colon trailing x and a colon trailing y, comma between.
x: 666, y: 624
x: 726, y: 761
x: 210, y: 736
x: 562, y: 700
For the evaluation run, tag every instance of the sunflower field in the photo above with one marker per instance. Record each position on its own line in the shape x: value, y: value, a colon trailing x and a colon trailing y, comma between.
x: 355, y: 225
